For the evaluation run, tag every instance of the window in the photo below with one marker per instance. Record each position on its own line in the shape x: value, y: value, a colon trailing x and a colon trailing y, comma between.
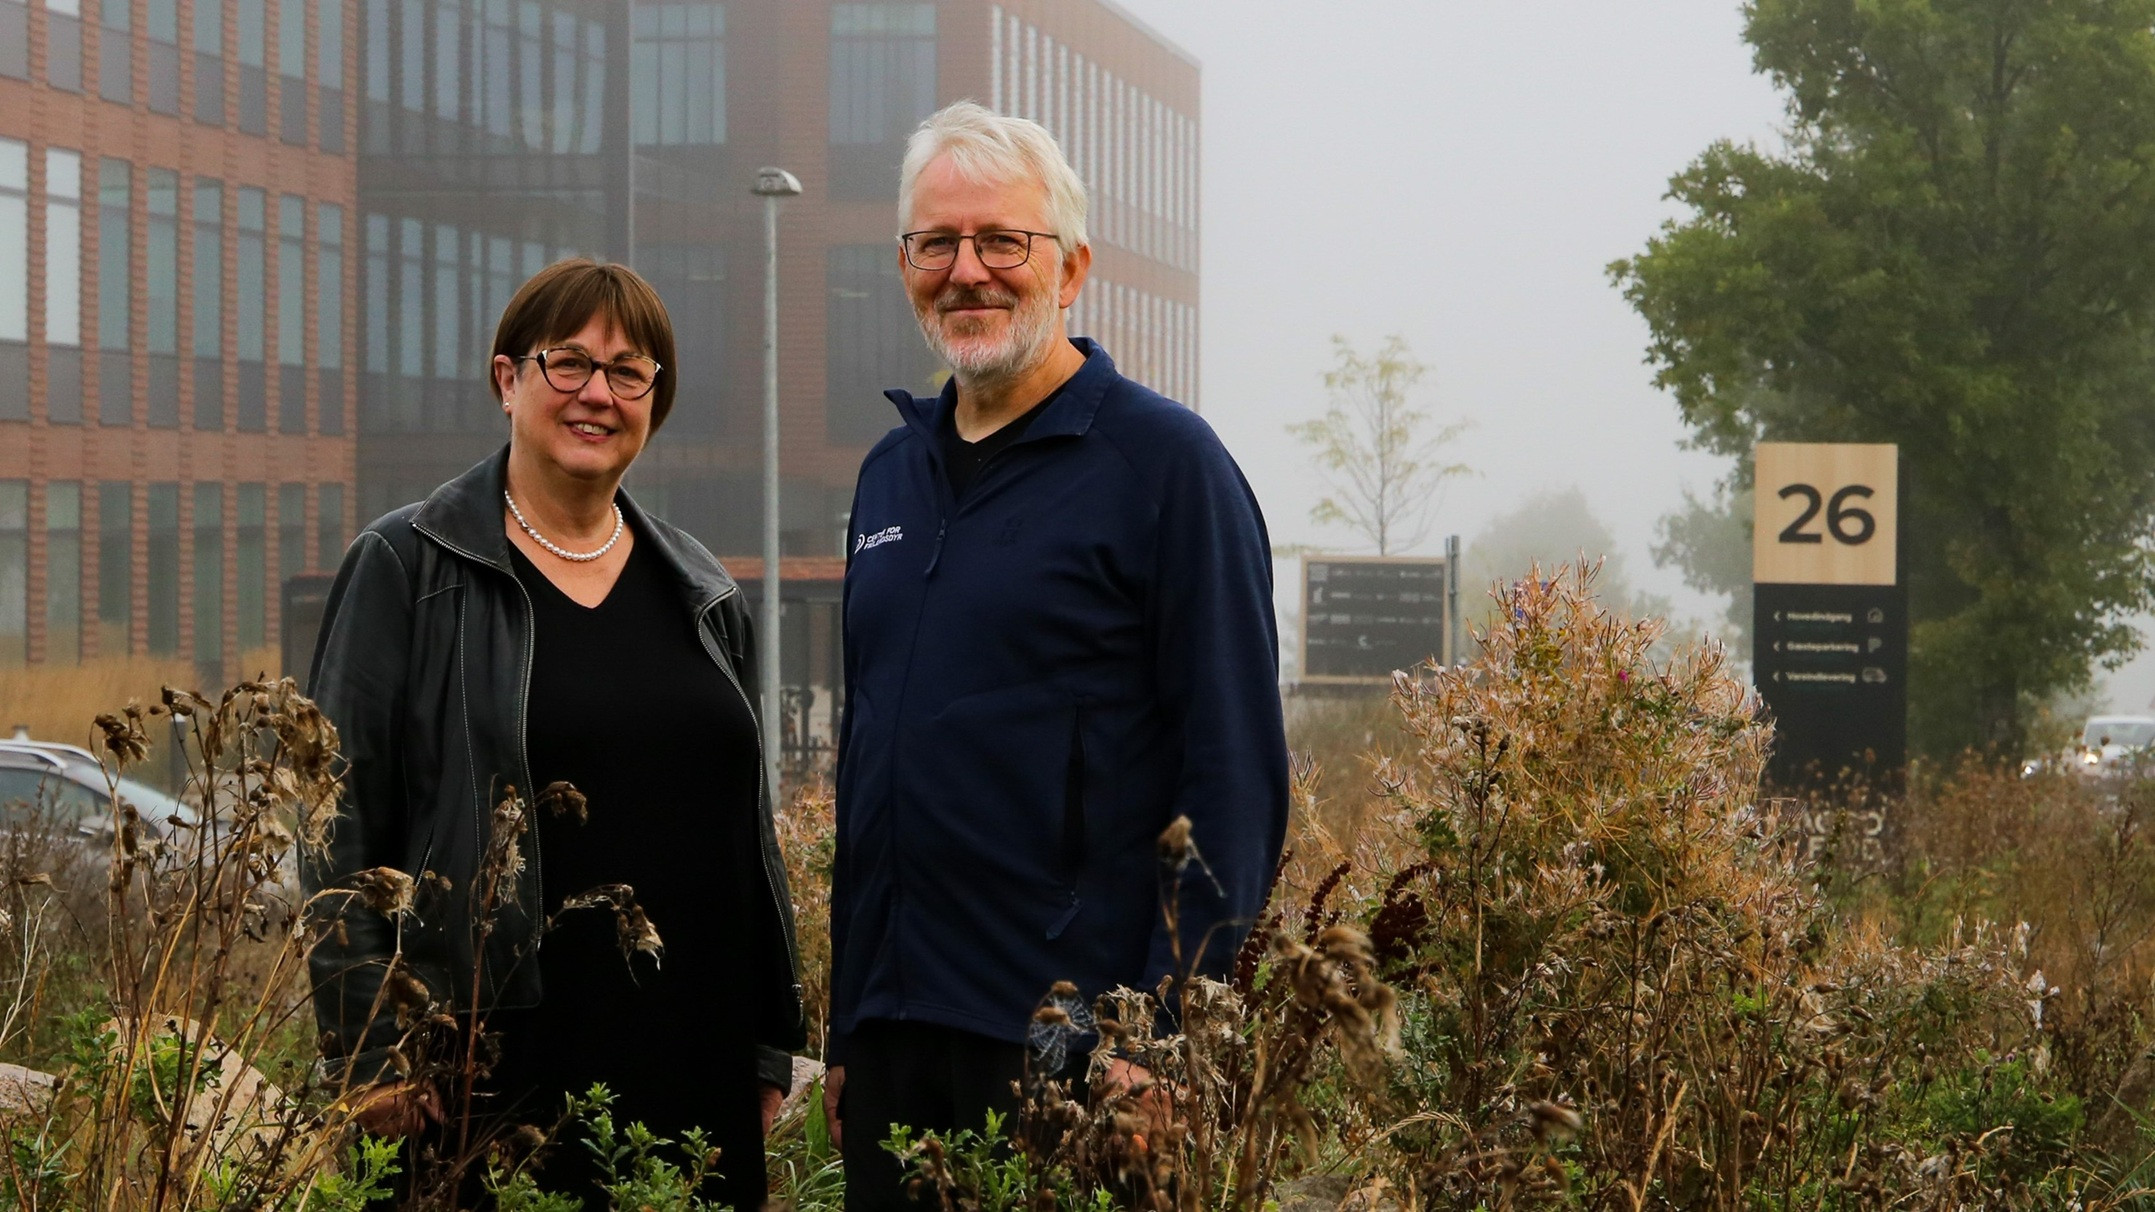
x: 411, y: 309
x: 250, y: 563
x: 209, y: 304
x: 692, y: 280
x: 14, y: 571
x: 448, y: 350
x: 873, y: 343
x: 253, y: 62
x: 115, y: 565
x: 164, y: 48
x: 531, y: 66
x: 329, y: 316
x: 63, y: 282
x: 162, y: 266
x: 15, y: 39
x: 164, y: 620
x: 497, y: 75
x: 291, y: 531
x: 291, y: 314
x: 115, y: 300
x: 63, y: 44
x: 412, y: 40
x: 63, y: 571
x: 292, y: 72
x: 209, y: 63
x: 249, y: 309
x: 209, y: 575
x: 680, y: 74
x: 329, y: 73
x: 375, y: 67
x: 329, y: 526
x: 115, y: 53
x: 14, y: 279
x: 882, y: 84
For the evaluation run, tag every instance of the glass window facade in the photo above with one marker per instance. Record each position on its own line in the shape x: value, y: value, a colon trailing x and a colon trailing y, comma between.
x: 14, y: 571
x: 329, y: 525
x: 250, y: 566
x: 15, y: 39
x: 292, y: 71
x: 291, y: 314
x: 209, y: 64
x: 164, y: 562
x: 164, y: 53
x: 329, y: 316
x: 882, y: 83
x: 63, y: 571
x: 253, y: 23
x: 161, y: 265
x: 14, y: 279
x: 63, y: 44
x: 208, y: 575
x: 872, y: 343
x: 329, y: 74
x: 250, y: 311
x: 291, y: 532
x: 209, y: 303
x: 115, y: 298
x: 115, y: 52
x: 678, y: 71
x: 115, y: 565
x: 63, y: 281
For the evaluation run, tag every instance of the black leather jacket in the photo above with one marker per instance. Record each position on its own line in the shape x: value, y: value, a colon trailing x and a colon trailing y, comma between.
x: 423, y: 664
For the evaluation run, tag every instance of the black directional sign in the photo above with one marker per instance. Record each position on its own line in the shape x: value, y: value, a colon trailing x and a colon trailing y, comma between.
x: 1832, y: 666
x: 1830, y: 653
x: 1365, y: 616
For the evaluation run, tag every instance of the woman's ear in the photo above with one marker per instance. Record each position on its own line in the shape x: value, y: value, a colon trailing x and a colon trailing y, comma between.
x: 504, y: 369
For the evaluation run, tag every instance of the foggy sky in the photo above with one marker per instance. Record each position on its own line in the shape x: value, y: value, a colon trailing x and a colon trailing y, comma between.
x: 1459, y: 173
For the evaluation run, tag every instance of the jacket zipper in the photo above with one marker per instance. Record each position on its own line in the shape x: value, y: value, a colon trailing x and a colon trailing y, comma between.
x: 770, y: 884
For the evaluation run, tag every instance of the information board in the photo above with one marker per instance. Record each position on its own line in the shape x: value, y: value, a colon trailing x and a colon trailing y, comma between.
x: 1365, y: 616
x: 1830, y: 653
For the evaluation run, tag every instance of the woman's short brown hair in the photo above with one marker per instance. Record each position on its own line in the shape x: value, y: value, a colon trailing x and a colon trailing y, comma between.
x: 559, y: 300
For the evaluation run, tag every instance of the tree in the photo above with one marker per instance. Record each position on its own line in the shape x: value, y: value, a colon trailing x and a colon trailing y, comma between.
x: 1954, y: 252
x: 1381, y: 466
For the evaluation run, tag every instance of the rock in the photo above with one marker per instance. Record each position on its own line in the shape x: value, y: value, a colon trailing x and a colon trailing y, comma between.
x: 806, y: 1073
x: 25, y: 1091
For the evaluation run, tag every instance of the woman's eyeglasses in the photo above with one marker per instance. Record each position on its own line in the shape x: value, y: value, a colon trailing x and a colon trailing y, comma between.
x: 567, y: 368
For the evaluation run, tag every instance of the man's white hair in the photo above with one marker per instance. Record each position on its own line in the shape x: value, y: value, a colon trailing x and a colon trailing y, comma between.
x: 991, y: 148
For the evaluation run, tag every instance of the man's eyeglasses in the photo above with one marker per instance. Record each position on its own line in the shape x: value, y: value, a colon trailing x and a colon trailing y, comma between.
x: 567, y: 368
x: 933, y: 250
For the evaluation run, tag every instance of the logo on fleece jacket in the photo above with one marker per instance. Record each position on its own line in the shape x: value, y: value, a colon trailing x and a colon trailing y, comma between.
x: 889, y: 534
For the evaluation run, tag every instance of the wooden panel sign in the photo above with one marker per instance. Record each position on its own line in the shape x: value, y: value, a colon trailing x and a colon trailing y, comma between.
x: 1826, y: 514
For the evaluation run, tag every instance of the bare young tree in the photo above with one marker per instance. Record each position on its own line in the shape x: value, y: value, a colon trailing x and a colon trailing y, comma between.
x: 1380, y: 462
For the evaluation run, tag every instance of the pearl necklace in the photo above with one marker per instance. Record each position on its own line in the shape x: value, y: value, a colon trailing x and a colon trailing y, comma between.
x: 581, y: 557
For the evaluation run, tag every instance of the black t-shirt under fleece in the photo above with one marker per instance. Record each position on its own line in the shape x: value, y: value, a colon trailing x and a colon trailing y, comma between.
x: 962, y: 460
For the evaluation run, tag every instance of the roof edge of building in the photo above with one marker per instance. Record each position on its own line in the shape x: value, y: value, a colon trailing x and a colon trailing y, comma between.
x: 1142, y: 26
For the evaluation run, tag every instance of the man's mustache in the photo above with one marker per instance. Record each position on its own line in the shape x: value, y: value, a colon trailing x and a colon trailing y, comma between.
x: 959, y: 297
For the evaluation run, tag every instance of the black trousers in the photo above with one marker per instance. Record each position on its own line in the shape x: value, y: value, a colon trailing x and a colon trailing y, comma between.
x: 928, y: 1078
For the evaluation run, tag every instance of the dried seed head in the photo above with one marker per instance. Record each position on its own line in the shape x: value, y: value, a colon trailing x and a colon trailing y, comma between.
x: 563, y: 799
x: 385, y: 890
x: 1555, y: 1121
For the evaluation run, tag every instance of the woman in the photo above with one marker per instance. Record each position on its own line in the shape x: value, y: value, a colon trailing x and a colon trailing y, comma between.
x: 527, y: 625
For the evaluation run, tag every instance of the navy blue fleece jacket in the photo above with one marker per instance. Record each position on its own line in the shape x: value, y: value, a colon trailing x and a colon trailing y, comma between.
x: 1041, y: 678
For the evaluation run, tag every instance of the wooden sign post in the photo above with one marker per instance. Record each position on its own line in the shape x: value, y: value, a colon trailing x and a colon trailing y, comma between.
x: 1830, y: 652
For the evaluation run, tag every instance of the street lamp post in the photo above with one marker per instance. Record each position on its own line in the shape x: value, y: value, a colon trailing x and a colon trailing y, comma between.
x: 771, y: 185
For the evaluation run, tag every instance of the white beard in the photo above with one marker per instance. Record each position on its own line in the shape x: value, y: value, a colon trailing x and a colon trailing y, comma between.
x: 971, y: 358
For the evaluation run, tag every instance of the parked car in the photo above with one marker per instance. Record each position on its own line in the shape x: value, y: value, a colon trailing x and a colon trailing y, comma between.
x: 68, y: 782
x: 2110, y: 741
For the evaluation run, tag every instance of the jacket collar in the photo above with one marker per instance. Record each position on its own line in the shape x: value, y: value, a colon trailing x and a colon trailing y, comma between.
x: 464, y: 515
x: 1070, y: 415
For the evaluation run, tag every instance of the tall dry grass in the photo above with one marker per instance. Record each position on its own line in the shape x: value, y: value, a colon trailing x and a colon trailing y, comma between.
x: 58, y: 702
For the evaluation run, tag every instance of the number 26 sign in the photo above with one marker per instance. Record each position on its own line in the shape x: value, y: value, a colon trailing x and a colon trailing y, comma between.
x: 1826, y: 514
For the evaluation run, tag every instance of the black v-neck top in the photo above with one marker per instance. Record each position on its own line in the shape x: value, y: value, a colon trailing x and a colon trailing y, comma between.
x: 962, y: 460
x: 627, y: 705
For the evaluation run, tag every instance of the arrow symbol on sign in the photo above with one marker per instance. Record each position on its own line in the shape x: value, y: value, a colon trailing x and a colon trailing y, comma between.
x: 1777, y: 645
x: 1776, y: 675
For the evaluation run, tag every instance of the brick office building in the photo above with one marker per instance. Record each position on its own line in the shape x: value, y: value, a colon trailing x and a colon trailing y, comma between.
x: 481, y: 139
x: 498, y: 134
x: 176, y: 194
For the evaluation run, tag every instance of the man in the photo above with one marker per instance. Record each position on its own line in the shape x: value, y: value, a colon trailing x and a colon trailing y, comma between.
x: 1058, y: 639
